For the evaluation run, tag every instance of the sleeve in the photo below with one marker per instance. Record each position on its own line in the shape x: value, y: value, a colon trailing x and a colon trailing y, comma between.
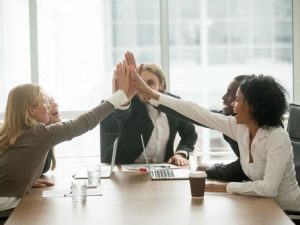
x: 227, y: 172
x: 278, y: 154
x: 124, y: 113
x: 188, y: 136
x: 225, y: 124
x: 59, y: 132
x: 117, y: 99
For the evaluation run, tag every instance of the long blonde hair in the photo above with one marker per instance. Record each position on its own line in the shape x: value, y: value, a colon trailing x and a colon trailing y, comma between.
x: 17, y: 118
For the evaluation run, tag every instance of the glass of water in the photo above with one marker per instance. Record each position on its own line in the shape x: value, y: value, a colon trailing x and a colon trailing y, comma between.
x: 78, y: 191
x: 94, y: 174
x: 195, y: 160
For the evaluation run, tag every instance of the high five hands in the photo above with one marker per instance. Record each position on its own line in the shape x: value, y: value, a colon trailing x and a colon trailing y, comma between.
x: 126, y: 78
x: 122, y: 79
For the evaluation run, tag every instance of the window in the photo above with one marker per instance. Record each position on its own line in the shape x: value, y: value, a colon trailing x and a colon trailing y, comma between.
x: 237, y: 37
x: 80, y: 41
x: 14, y: 46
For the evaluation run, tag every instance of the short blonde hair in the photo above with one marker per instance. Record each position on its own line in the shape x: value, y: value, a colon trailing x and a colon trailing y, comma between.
x: 17, y: 118
x: 153, y: 68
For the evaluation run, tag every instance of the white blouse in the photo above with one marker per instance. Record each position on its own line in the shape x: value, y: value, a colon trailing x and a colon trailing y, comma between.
x: 272, y: 171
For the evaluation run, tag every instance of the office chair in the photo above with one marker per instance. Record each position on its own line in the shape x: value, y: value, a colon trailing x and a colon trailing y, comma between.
x: 293, y: 129
x: 109, y: 131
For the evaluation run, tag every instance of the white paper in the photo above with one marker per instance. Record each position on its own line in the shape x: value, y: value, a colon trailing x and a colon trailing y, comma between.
x: 67, y: 193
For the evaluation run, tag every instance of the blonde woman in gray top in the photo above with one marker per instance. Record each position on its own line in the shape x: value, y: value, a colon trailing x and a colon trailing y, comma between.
x: 25, y: 139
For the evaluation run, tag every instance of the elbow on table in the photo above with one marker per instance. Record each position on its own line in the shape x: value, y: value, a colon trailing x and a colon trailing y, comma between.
x: 270, y: 192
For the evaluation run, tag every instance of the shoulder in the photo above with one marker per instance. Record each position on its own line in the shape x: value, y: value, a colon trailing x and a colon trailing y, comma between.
x: 277, y: 131
x: 171, y: 95
x: 39, y: 128
x: 277, y: 136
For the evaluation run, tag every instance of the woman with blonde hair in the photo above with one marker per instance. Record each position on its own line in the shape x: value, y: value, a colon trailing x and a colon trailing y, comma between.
x: 25, y: 139
x: 50, y: 163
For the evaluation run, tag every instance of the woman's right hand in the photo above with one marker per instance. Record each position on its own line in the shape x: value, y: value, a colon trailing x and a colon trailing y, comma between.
x: 122, y: 80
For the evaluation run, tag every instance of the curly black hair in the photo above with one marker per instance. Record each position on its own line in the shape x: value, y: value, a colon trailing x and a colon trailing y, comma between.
x: 267, y: 99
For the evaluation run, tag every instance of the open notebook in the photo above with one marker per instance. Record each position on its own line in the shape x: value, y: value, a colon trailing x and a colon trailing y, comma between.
x: 106, y: 171
x: 157, y: 173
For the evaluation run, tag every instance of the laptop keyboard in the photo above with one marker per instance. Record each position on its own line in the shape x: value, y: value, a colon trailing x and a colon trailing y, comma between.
x: 162, y: 174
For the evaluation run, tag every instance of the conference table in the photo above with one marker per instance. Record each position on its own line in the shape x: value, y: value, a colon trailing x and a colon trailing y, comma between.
x: 133, y: 198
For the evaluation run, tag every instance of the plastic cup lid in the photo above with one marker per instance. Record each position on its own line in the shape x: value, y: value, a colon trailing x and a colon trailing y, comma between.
x: 198, y: 174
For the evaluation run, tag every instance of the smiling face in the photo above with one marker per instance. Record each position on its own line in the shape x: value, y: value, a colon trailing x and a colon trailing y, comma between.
x: 54, y: 115
x: 242, y: 109
x: 40, y: 110
x: 152, y: 81
x: 229, y: 98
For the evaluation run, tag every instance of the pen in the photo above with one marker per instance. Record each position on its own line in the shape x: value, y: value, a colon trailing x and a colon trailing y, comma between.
x: 67, y: 194
x: 138, y: 169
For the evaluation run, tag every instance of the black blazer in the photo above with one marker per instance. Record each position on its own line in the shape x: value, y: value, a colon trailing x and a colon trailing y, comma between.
x: 135, y: 121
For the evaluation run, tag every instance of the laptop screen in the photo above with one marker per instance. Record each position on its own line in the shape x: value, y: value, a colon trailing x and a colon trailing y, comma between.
x: 114, y: 153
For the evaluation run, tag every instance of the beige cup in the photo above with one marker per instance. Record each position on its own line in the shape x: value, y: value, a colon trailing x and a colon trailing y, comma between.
x: 197, y: 183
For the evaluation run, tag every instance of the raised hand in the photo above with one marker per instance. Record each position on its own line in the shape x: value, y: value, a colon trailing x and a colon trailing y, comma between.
x: 121, y: 77
x: 130, y: 60
x: 122, y: 80
x: 143, y: 88
x: 131, y: 89
x: 114, y: 80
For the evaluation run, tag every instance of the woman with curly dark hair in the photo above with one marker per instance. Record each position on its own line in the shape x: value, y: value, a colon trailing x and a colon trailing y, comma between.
x: 265, y: 149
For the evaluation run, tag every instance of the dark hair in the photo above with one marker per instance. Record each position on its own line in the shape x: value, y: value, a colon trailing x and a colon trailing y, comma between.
x: 241, y: 78
x: 267, y: 99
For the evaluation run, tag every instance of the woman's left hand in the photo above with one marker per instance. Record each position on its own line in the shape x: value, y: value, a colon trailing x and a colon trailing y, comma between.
x: 215, y: 187
x: 40, y: 183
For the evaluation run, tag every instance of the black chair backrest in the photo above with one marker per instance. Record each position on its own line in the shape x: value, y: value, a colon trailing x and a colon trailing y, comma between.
x: 293, y: 129
x: 109, y: 131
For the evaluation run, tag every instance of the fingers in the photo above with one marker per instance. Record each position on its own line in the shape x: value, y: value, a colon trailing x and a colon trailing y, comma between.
x: 39, y: 183
x: 130, y: 60
x: 178, y: 160
x: 114, y: 84
x: 182, y: 162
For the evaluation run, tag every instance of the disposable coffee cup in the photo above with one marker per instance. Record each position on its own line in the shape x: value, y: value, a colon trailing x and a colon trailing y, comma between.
x: 197, y: 183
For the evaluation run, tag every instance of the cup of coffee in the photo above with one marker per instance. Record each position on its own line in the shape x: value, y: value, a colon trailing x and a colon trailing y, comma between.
x: 197, y: 183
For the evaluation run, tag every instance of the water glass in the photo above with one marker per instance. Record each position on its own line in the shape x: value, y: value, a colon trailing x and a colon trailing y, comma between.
x: 94, y: 174
x: 78, y: 191
x: 195, y: 160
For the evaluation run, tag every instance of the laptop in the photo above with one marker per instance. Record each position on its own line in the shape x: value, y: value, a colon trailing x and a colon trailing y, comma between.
x: 157, y: 173
x: 106, y: 171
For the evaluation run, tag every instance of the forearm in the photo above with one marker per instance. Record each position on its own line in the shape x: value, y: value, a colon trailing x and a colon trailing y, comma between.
x: 225, y: 124
x: 60, y: 132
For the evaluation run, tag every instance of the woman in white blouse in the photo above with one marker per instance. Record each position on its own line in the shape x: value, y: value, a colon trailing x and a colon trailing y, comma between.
x: 265, y: 148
